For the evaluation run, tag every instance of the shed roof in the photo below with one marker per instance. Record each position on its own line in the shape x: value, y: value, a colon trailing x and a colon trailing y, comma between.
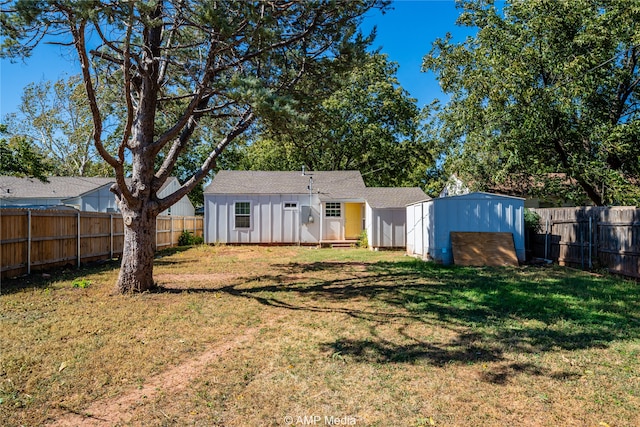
x: 479, y: 195
x: 393, y: 197
x: 333, y: 184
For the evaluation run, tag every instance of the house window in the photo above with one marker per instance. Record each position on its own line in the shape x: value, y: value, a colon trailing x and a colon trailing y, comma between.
x: 291, y: 205
x: 332, y: 209
x: 243, y: 215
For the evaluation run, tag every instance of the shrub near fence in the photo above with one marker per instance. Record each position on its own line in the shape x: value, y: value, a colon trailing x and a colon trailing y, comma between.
x: 38, y: 239
x: 591, y: 237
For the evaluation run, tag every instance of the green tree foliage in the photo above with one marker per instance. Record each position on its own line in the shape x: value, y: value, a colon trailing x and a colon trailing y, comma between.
x: 57, y: 119
x: 352, y: 116
x: 20, y: 158
x: 546, y: 93
x: 175, y: 64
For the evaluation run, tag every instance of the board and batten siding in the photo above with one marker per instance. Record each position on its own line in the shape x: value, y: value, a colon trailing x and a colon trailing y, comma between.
x: 386, y: 228
x: 99, y: 200
x: 182, y: 207
x: 431, y: 222
x: 271, y: 221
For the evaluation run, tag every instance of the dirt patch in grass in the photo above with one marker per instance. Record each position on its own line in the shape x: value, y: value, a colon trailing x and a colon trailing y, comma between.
x: 120, y: 409
x: 242, y: 336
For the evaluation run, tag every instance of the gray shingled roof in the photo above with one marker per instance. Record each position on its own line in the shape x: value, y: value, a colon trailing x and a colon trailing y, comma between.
x: 329, y: 184
x: 58, y: 187
x: 393, y: 197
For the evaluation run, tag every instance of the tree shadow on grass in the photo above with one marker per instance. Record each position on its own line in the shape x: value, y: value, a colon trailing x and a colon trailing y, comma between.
x: 527, y: 310
x: 465, y: 348
x: 488, y: 312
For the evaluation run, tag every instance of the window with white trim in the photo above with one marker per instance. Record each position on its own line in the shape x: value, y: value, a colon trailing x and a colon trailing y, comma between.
x: 243, y: 215
x: 291, y: 205
x: 332, y: 209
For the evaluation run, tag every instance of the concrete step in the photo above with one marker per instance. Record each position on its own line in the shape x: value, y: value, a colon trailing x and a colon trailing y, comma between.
x: 340, y: 244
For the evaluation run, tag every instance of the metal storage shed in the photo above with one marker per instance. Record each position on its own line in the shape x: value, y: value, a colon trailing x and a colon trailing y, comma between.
x: 430, y: 223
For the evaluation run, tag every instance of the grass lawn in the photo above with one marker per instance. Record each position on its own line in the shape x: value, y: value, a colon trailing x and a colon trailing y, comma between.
x: 241, y: 336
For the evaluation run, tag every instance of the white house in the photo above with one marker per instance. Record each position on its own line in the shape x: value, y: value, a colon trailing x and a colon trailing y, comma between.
x: 320, y: 207
x: 430, y: 222
x: 88, y: 194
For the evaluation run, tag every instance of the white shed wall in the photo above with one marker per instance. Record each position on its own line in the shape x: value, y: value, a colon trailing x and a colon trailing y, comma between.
x: 479, y: 212
x: 386, y: 227
x: 271, y: 222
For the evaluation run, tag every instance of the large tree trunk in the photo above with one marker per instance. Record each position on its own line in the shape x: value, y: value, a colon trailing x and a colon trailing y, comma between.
x: 136, y: 270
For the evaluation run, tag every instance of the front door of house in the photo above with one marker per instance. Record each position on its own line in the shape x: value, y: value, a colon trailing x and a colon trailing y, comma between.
x: 352, y: 220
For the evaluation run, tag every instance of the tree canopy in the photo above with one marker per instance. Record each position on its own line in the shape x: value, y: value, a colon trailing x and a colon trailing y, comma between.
x: 544, y: 95
x: 175, y: 64
x: 358, y: 118
x: 18, y: 157
x: 55, y: 117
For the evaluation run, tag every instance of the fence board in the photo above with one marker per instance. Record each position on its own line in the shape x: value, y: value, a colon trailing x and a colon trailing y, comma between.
x: 53, y: 240
x: 13, y: 231
x: 591, y: 236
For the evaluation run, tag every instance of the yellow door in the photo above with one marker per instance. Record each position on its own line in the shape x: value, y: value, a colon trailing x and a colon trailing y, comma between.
x: 352, y: 220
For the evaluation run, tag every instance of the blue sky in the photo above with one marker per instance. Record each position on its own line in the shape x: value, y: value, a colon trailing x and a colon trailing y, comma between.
x: 405, y: 34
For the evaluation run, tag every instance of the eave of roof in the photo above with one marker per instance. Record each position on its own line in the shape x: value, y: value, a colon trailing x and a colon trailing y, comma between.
x: 393, y: 197
x: 337, y: 184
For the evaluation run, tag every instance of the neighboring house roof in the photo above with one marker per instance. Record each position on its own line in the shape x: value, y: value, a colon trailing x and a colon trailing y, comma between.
x: 329, y: 184
x: 57, y: 187
x: 394, y: 197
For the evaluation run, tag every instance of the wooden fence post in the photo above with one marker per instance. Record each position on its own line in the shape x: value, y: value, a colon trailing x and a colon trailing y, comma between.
x: 590, y: 243
x: 78, y: 249
x: 110, y: 236
x: 29, y: 241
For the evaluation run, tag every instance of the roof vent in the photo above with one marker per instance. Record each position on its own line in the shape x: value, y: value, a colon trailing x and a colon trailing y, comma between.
x: 302, y: 170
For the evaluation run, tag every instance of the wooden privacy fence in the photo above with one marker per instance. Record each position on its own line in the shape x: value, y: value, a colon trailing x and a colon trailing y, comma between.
x: 38, y: 239
x: 590, y: 237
